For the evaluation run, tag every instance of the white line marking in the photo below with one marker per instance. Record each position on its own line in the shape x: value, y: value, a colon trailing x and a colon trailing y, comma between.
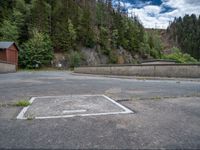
x: 126, y: 110
x: 21, y: 114
x: 84, y: 115
x: 73, y: 111
x: 66, y: 96
x: 118, y: 104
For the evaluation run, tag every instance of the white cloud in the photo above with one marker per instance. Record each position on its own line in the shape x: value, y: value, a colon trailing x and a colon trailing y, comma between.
x: 151, y: 17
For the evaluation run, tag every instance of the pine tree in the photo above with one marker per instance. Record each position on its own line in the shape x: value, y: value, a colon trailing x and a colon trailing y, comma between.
x: 9, y: 31
x: 185, y: 32
x: 86, y: 33
x: 40, y: 15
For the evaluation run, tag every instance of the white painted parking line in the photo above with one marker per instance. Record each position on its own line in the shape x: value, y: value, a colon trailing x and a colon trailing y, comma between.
x: 73, y: 111
x: 83, y: 115
x: 118, y: 104
x: 21, y: 114
x: 66, y: 113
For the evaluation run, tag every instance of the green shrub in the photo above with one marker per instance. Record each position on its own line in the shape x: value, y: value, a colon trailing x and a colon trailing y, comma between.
x: 180, y: 57
x: 154, y: 53
x: 113, y: 58
x: 75, y: 58
x: 36, y: 52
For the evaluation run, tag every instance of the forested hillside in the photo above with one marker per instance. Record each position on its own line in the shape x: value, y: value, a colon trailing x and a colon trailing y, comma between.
x: 185, y: 33
x: 43, y: 27
x: 82, y: 32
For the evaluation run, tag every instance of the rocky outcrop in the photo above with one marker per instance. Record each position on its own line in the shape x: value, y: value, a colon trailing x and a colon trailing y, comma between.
x: 94, y: 56
x: 124, y: 57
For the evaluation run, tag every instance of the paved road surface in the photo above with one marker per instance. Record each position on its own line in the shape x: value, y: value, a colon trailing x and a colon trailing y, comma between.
x: 167, y: 113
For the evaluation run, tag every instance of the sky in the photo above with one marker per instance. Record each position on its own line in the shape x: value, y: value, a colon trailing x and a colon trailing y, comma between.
x: 158, y: 13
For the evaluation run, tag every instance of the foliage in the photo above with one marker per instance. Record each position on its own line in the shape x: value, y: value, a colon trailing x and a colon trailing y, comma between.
x: 22, y: 103
x: 6, y: 8
x: 8, y: 31
x: 104, y: 40
x: 40, y: 11
x: 115, y: 37
x: 185, y: 32
x: 180, y: 57
x: 155, y: 45
x: 36, y: 52
x: 151, y: 45
x: 75, y: 58
x: 67, y: 25
x: 113, y: 57
x: 71, y: 36
x: 72, y: 32
x: 86, y: 29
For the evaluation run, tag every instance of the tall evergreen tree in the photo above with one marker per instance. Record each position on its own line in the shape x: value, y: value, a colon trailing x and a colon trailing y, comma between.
x: 40, y: 16
x: 9, y: 31
x: 185, y: 32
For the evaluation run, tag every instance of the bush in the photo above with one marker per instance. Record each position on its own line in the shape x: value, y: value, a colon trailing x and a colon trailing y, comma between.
x: 113, y: 57
x: 36, y: 52
x: 75, y: 59
x: 180, y: 57
x: 154, y: 53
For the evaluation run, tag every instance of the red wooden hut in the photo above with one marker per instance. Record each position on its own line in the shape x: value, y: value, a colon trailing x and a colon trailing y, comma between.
x: 9, y: 52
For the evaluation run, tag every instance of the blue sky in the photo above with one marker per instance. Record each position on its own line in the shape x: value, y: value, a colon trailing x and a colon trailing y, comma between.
x: 158, y: 13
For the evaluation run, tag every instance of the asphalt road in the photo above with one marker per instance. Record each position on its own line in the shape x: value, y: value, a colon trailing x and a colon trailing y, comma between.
x: 167, y: 113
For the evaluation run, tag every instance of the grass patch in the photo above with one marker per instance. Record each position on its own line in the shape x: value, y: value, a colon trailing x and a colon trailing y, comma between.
x: 22, y: 103
x: 30, y: 118
x: 156, y: 98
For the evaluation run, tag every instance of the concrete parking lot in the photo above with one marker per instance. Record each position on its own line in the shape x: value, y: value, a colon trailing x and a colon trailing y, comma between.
x: 166, y: 112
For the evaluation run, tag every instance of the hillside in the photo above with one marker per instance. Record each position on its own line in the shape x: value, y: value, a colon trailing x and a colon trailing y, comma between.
x: 69, y: 33
x: 166, y: 42
x: 182, y: 37
x: 185, y: 33
x: 76, y: 32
